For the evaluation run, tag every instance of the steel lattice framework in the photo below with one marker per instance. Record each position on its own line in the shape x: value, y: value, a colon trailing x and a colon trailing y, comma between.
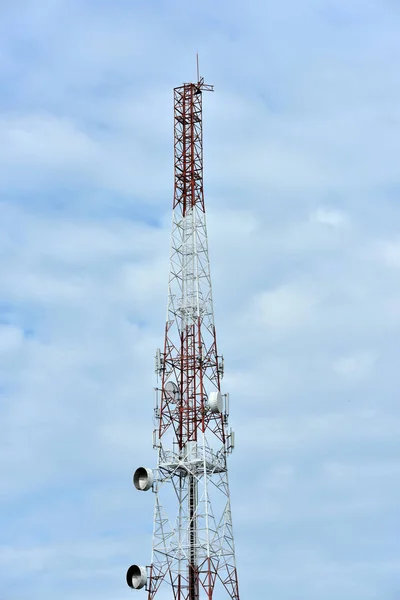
x: 193, y: 550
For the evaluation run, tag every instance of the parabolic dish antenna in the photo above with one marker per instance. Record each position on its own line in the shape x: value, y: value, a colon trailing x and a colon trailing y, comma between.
x: 172, y: 391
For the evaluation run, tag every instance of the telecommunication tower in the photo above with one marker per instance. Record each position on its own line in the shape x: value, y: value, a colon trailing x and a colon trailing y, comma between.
x: 193, y: 548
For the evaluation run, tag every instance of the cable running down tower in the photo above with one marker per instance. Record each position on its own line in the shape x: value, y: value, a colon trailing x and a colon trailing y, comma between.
x: 193, y: 548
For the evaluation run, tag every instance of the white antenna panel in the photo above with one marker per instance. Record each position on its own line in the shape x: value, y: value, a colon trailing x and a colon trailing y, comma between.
x: 158, y: 363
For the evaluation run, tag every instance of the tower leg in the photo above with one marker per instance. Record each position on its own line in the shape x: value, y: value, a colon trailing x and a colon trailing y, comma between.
x: 193, y: 575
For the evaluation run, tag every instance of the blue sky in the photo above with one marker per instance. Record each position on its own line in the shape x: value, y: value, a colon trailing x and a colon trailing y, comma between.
x: 302, y: 139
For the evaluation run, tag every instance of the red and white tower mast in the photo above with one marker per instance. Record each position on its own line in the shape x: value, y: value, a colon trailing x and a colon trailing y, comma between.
x: 193, y: 547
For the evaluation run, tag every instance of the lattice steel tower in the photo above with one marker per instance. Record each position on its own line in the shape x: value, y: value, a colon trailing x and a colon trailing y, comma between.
x: 193, y: 548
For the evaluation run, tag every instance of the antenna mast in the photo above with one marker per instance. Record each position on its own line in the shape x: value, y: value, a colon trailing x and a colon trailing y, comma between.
x: 193, y: 546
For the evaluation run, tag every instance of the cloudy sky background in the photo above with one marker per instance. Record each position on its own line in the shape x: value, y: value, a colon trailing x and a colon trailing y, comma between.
x: 302, y: 145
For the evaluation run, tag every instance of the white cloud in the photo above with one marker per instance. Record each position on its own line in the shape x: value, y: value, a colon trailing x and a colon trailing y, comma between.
x: 50, y: 149
x: 285, y: 308
x: 306, y: 313
x: 306, y: 432
x: 388, y: 252
x: 10, y: 339
x: 326, y: 216
x: 358, y: 365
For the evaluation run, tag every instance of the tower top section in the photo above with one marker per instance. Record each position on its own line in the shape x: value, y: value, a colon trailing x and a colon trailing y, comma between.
x: 188, y: 147
x: 200, y: 86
